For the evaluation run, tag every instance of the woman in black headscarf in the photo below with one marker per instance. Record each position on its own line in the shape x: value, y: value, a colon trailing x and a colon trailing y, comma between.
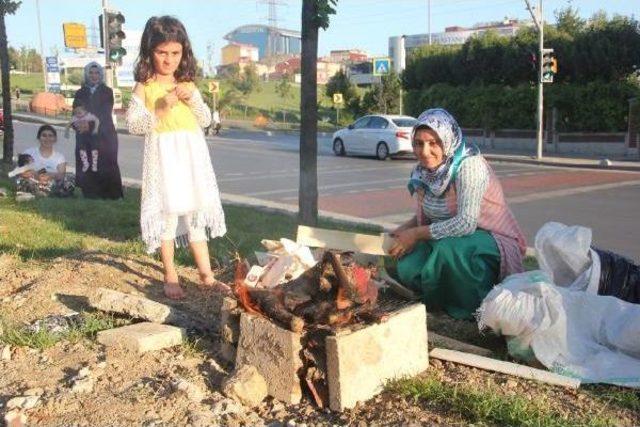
x: 97, y: 98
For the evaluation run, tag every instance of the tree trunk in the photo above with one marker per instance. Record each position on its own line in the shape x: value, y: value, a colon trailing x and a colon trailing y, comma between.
x: 7, y: 143
x: 308, y: 188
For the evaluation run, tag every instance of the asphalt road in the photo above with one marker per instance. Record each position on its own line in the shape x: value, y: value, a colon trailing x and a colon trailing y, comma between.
x: 265, y: 166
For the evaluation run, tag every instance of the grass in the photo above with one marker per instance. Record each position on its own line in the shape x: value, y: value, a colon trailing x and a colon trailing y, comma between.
x: 489, y: 406
x: 46, y: 228
x: 89, y: 325
x: 28, y: 83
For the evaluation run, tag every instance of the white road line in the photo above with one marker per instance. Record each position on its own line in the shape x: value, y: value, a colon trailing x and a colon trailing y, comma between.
x: 569, y: 192
x: 326, y: 187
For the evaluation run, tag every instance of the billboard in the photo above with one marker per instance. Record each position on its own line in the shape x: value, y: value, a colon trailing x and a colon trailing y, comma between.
x: 75, y: 35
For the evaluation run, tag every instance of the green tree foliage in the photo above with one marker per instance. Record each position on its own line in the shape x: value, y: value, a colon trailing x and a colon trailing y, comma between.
x: 340, y: 83
x: 604, y: 49
x: 383, y: 98
x: 284, y: 87
x: 245, y: 81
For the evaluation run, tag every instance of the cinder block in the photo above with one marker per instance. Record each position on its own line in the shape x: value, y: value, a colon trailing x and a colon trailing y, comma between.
x: 275, y: 352
x: 359, y: 363
x: 142, y: 337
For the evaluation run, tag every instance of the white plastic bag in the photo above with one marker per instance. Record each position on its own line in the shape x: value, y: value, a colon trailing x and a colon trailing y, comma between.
x: 591, y: 337
x: 565, y: 254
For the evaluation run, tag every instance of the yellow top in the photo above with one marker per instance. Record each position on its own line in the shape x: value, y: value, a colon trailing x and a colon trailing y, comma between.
x: 180, y: 116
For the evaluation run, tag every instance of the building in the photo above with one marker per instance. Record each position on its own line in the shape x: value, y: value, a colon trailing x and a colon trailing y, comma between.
x: 290, y: 66
x: 234, y: 53
x: 326, y: 70
x: 270, y: 41
x: 348, y: 56
x: 454, y: 35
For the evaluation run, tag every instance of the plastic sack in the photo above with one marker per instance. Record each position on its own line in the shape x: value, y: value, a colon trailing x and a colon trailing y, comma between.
x: 565, y: 254
x: 619, y: 276
x: 579, y: 334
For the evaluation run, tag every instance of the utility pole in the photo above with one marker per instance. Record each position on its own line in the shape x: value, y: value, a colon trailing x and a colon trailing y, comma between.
x: 42, y: 57
x: 401, y: 68
x: 539, y: 22
x: 108, y: 75
x: 429, y: 20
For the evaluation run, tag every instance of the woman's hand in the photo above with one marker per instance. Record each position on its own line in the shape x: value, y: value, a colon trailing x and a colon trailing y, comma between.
x: 171, y: 98
x: 82, y: 127
x: 405, y: 240
x: 184, y: 92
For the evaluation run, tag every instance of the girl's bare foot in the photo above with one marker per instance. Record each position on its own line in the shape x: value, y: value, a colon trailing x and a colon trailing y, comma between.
x: 172, y: 288
x: 210, y: 281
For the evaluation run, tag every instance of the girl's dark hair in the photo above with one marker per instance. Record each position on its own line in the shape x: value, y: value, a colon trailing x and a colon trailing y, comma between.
x: 46, y: 127
x: 160, y: 30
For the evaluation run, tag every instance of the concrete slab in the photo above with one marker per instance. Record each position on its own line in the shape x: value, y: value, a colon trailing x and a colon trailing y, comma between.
x: 275, y: 352
x: 360, y: 363
x: 142, y: 337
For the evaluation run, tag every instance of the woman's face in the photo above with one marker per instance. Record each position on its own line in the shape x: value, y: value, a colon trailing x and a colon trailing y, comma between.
x: 428, y: 148
x: 47, y: 139
x: 94, y: 75
x: 167, y: 57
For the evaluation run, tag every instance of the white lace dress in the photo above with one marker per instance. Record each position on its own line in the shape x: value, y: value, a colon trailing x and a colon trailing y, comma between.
x: 177, y: 175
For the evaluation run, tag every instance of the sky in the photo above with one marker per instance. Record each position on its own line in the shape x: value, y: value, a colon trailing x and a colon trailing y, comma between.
x: 361, y: 24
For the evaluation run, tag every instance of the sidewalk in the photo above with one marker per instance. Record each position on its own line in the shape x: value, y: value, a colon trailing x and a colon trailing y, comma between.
x: 583, y: 161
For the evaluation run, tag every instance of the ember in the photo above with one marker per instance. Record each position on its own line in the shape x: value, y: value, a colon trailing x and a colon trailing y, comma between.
x: 335, y: 292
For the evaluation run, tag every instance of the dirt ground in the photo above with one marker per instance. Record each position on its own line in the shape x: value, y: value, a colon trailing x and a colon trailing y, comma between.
x: 126, y: 389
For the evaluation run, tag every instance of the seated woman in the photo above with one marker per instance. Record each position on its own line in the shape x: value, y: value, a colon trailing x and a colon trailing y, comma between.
x: 464, y: 238
x: 46, y: 172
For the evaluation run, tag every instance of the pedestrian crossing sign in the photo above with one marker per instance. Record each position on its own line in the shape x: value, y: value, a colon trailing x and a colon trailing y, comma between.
x: 381, y: 66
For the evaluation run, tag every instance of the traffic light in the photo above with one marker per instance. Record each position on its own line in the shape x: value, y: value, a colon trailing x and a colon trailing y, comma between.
x: 549, y: 65
x: 113, y: 49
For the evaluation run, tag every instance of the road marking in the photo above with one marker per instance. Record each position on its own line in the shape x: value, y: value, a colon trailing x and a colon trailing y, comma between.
x: 327, y: 187
x: 569, y: 192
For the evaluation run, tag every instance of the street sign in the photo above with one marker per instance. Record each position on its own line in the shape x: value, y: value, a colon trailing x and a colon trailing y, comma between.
x: 75, y: 35
x: 53, y: 73
x: 337, y: 98
x: 381, y: 66
x: 214, y: 87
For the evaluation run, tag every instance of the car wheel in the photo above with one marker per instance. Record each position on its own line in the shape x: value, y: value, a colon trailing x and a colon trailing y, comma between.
x: 382, y: 151
x: 338, y: 147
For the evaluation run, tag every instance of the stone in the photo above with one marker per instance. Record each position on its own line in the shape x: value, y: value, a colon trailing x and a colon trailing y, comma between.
x: 23, y: 402
x: 275, y: 352
x: 24, y: 197
x: 226, y: 406
x: 246, y: 385
x: 229, y: 320
x: 83, y: 373
x: 83, y: 385
x: 5, y: 354
x: 193, y: 392
x: 359, y: 363
x: 101, y: 365
x: 36, y: 391
x: 15, y: 418
x: 142, y: 337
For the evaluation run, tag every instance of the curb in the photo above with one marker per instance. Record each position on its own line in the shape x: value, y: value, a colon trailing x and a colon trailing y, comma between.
x: 580, y: 164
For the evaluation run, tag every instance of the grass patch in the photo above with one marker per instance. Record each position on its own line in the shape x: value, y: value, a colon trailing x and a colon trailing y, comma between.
x: 488, y: 406
x: 46, y: 228
x: 87, y: 328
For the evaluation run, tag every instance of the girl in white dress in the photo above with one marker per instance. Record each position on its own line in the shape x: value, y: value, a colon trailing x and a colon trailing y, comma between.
x: 180, y: 199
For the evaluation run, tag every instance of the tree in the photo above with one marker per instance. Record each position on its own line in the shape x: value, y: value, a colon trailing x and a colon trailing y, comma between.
x: 7, y: 7
x: 568, y: 21
x: 283, y: 88
x: 340, y: 83
x: 315, y: 15
x: 383, y: 98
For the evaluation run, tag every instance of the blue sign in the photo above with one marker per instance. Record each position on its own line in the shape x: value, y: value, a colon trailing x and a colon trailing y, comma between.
x: 381, y: 66
x: 52, y: 64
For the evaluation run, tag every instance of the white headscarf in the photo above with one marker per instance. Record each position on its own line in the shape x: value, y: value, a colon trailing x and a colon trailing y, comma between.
x: 87, y: 82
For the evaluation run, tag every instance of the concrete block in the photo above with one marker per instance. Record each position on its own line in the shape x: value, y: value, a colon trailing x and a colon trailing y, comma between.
x: 359, y: 363
x: 142, y: 337
x: 275, y: 352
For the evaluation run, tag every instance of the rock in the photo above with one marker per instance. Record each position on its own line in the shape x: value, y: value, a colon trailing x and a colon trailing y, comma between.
x: 226, y: 406
x: 5, y: 354
x: 23, y: 402
x: 291, y: 423
x: 34, y: 392
x: 24, y: 197
x: 15, y: 418
x: 83, y: 373
x: 511, y: 384
x: 101, y: 365
x: 192, y: 391
x: 246, y: 385
x: 83, y: 385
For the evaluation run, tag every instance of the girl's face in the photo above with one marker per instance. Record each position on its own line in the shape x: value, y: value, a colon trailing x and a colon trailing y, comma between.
x: 428, y: 148
x: 166, y: 58
x: 47, y: 139
x: 94, y: 75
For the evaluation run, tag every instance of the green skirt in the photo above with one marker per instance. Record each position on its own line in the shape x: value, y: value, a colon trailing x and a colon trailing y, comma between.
x: 454, y: 273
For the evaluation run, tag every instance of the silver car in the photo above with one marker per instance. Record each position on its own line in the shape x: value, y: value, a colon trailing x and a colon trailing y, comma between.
x: 381, y: 136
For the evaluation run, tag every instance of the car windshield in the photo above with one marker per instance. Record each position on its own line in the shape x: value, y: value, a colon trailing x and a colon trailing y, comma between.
x: 404, y: 123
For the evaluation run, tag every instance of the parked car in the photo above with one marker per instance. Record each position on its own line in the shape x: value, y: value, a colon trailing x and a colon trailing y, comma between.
x: 376, y: 135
